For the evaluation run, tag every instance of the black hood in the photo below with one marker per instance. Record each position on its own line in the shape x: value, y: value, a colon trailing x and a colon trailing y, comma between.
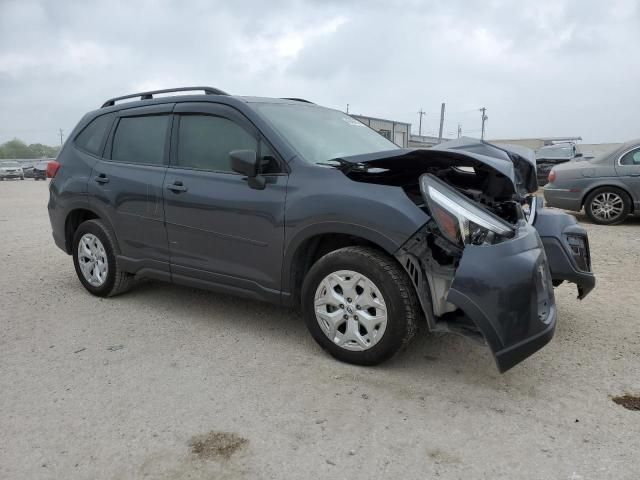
x: 514, y: 164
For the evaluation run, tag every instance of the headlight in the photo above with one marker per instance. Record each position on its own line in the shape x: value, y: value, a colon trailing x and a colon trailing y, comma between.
x: 459, y: 219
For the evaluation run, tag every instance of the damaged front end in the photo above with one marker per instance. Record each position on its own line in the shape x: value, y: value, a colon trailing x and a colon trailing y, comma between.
x: 492, y: 279
x: 478, y: 263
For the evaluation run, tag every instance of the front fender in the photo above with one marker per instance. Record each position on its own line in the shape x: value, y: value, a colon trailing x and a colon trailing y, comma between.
x: 330, y: 227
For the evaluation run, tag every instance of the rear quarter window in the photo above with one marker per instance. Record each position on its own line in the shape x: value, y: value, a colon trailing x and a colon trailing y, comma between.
x: 91, y: 137
x: 631, y: 158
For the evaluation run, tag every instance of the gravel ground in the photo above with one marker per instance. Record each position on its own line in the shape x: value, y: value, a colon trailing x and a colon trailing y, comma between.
x: 168, y: 382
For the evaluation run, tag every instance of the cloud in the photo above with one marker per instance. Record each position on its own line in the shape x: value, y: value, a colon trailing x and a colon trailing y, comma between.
x: 543, y: 67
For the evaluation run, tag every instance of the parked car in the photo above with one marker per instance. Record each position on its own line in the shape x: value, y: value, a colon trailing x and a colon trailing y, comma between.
x: 551, y: 155
x: 608, y: 186
x: 11, y: 170
x: 289, y: 202
x: 37, y: 171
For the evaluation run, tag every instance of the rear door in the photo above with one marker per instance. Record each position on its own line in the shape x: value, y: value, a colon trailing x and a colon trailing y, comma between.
x: 628, y: 169
x: 126, y: 186
x: 223, y: 233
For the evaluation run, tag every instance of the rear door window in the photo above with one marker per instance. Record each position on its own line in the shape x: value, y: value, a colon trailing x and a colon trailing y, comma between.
x: 141, y: 140
x: 91, y: 138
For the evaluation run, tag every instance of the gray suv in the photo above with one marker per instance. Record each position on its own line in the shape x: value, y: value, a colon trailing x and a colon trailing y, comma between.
x: 285, y: 201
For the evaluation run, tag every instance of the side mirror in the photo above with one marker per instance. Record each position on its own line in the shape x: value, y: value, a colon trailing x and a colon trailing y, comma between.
x: 246, y: 163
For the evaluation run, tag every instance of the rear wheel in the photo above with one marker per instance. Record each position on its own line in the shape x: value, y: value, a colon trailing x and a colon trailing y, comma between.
x: 94, y: 259
x: 359, y: 305
x: 607, y: 206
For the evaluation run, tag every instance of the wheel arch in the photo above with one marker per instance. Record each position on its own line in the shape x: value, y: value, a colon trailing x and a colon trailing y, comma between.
x: 76, y: 217
x: 618, y: 186
x: 312, y: 243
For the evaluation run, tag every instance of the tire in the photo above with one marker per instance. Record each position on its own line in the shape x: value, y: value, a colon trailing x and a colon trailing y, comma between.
x: 378, y: 273
x: 115, y: 280
x: 607, y: 196
x: 21, y: 178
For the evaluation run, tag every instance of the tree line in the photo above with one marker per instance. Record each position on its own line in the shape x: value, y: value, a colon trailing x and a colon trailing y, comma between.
x: 16, y: 148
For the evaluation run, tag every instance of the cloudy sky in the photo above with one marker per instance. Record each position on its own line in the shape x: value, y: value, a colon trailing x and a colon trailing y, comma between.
x: 541, y: 67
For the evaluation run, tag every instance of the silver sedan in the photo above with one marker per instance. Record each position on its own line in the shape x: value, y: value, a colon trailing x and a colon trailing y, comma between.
x: 608, y: 186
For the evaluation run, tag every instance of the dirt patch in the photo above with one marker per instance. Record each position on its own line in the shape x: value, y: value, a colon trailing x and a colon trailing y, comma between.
x: 630, y: 402
x: 216, y: 445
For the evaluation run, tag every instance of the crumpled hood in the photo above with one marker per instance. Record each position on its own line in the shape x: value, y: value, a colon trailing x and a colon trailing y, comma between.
x: 516, y: 162
x: 513, y: 163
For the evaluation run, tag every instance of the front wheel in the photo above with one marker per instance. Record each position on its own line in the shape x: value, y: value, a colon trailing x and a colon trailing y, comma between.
x: 607, y: 206
x: 359, y: 305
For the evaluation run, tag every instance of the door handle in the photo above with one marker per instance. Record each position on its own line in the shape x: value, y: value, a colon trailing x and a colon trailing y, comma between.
x: 177, y: 187
x: 102, y: 178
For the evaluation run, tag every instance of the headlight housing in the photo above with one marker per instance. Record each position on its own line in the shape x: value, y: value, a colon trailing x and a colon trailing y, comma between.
x: 459, y: 219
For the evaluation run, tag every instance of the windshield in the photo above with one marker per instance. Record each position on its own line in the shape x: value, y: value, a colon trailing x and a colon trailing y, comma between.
x: 555, y: 152
x: 10, y: 164
x: 321, y: 134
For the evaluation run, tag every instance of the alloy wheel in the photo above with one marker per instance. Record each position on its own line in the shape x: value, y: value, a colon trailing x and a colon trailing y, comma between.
x: 350, y: 310
x: 607, y: 206
x: 92, y: 259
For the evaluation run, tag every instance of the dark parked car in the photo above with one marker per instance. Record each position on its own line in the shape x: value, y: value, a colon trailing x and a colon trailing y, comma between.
x: 289, y: 202
x: 549, y: 156
x: 608, y: 186
x: 37, y: 171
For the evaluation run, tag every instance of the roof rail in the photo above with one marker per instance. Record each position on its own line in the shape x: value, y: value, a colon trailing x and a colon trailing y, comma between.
x: 149, y: 95
x: 297, y: 99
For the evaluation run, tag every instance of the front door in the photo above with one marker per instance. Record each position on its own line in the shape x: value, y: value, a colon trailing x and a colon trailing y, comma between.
x: 222, y: 233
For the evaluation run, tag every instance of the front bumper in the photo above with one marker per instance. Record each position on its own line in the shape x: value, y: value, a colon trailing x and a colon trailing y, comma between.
x: 506, y: 290
x: 566, y: 244
x: 11, y: 175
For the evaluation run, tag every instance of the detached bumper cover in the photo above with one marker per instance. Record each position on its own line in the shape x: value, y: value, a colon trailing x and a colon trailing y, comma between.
x: 567, y: 247
x: 506, y: 290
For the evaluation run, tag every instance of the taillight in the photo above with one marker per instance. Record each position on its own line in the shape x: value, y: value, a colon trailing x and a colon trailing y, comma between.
x: 552, y: 176
x: 52, y: 168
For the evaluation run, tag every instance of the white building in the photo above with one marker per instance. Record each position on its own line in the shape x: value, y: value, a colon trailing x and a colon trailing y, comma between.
x: 397, y: 132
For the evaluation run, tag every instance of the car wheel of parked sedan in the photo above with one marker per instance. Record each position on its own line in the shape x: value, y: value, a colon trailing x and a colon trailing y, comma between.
x: 359, y: 305
x: 607, y: 206
x: 95, y: 261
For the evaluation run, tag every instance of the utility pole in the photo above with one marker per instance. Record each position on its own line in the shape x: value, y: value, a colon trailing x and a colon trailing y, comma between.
x: 347, y: 108
x: 459, y: 130
x: 422, y: 114
x: 441, y: 122
x: 484, y: 119
x: 60, y: 136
